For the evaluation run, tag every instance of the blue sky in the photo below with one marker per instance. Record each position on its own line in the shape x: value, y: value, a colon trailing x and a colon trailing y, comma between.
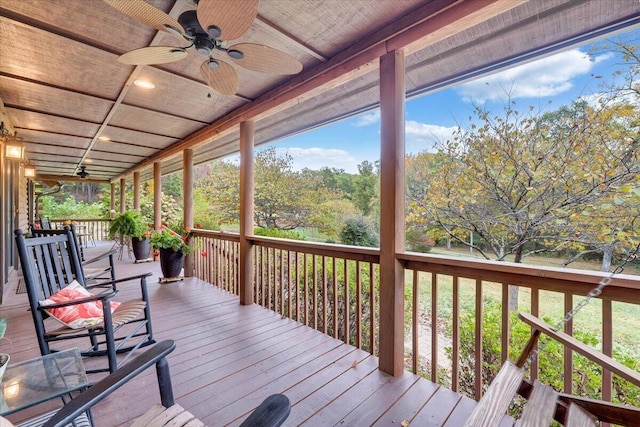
x: 558, y: 79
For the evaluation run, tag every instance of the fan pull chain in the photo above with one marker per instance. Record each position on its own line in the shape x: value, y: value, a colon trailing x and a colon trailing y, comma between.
x: 594, y: 293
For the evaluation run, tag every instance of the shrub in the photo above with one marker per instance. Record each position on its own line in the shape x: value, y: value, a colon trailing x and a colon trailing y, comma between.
x: 276, y: 232
x: 358, y: 231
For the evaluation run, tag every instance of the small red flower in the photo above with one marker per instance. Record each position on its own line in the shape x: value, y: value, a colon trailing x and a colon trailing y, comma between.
x: 203, y: 253
x: 198, y: 225
x: 187, y: 228
x: 156, y: 253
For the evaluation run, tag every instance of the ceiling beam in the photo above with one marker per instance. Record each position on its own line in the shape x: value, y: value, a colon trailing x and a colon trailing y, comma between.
x: 67, y: 178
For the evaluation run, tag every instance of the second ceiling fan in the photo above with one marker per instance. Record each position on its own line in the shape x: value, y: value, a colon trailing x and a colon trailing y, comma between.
x: 208, y: 29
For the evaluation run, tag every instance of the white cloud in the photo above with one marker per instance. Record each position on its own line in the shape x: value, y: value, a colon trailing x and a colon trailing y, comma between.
x: 546, y: 77
x: 367, y: 119
x: 422, y: 136
x: 316, y: 158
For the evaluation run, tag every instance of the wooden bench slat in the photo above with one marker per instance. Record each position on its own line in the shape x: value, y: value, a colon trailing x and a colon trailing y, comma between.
x: 578, y: 417
x: 495, y: 402
x: 538, y: 412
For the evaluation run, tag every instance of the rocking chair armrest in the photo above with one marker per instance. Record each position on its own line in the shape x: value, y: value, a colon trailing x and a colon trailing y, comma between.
x: 106, y: 386
x: 103, y: 296
x: 111, y: 283
x: 100, y: 257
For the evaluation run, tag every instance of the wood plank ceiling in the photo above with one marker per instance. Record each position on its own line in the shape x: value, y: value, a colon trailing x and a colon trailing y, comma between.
x: 63, y: 88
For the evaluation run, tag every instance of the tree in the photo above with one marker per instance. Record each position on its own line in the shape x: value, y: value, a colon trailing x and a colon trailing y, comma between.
x: 364, y: 193
x: 283, y: 198
x: 516, y: 177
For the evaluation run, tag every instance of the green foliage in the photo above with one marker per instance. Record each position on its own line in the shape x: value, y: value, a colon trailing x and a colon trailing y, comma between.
x: 128, y: 224
x: 358, y: 231
x: 169, y: 239
x: 276, y: 232
x: 69, y: 208
x: 586, y: 375
x: 364, y: 195
x: 3, y: 327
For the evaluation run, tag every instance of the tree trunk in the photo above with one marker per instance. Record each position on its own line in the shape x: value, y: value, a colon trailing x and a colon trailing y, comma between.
x: 607, y: 256
x: 515, y: 290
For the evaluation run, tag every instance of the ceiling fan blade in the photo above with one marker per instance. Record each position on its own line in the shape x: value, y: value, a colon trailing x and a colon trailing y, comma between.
x: 147, y: 14
x: 265, y: 59
x: 153, y: 55
x: 232, y: 17
x: 223, y: 79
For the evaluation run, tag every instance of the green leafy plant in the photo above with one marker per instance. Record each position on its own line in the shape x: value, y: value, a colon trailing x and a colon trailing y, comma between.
x: 3, y: 327
x: 169, y: 239
x: 128, y: 224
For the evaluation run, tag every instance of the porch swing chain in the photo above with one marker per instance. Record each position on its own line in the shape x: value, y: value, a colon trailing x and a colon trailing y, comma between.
x: 594, y: 293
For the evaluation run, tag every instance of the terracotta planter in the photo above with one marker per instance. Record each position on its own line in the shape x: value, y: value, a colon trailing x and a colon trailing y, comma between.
x: 171, y: 263
x: 141, y: 248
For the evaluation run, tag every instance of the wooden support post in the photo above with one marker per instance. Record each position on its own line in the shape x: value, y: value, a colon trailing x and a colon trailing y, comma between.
x: 246, y: 212
x: 123, y: 194
x: 112, y: 212
x: 136, y: 191
x: 157, y: 198
x: 392, y: 99
x: 187, y: 203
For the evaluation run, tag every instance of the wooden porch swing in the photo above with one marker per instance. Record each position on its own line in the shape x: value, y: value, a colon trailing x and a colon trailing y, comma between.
x: 544, y: 404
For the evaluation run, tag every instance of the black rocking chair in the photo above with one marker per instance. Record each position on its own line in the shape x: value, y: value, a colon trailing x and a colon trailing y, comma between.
x: 49, y: 264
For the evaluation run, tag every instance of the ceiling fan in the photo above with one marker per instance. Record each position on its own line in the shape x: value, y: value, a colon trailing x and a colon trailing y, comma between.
x: 208, y: 29
x: 83, y: 173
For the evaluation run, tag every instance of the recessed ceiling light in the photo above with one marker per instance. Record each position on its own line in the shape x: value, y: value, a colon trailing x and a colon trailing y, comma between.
x: 144, y: 84
x: 104, y: 138
x: 88, y: 161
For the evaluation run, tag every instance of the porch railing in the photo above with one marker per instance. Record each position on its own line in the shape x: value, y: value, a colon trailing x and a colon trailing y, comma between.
x: 454, y: 307
x: 94, y: 228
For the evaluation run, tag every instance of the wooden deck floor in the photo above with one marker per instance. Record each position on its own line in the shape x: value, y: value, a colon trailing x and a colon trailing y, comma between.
x: 230, y: 357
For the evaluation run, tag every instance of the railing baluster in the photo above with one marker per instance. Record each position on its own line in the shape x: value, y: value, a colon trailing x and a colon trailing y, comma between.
x: 434, y: 327
x: 305, y: 288
x: 314, y: 290
x: 455, y: 341
x: 358, y: 313
x: 535, y: 310
x: 504, y: 337
x: 415, y: 351
x: 335, y: 300
x: 347, y: 303
x: 325, y: 323
x: 372, y: 310
x: 607, y: 347
x: 478, y: 362
x: 568, y: 353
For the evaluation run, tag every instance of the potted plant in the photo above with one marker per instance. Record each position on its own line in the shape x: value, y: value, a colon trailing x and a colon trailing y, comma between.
x: 4, y: 357
x: 172, y: 247
x: 130, y: 225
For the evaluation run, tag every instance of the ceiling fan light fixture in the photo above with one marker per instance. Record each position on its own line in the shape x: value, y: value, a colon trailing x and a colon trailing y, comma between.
x: 214, y: 31
x: 204, y: 46
x: 178, y: 53
x: 235, y: 54
x: 213, y: 64
x: 171, y: 29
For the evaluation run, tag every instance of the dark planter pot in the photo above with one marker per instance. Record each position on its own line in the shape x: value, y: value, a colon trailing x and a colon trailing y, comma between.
x: 141, y: 248
x: 171, y: 263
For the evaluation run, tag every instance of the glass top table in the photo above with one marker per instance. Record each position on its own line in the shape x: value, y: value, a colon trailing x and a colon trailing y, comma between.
x: 34, y: 381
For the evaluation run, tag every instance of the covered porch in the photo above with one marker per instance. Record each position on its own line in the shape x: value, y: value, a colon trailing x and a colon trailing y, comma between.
x: 229, y: 357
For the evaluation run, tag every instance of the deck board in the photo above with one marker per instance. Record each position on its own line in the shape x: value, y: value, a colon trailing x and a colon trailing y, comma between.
x: 230, y: 357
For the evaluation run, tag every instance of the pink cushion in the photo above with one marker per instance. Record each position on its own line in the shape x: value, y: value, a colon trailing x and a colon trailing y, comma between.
x: 80, y: 315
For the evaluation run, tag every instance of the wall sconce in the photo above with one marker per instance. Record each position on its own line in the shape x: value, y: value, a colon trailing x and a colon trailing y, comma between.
x: 29, y: 171
x: 13, y: 150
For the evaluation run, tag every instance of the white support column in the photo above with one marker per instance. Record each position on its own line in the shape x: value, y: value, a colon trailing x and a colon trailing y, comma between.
x: 392, y: 226
x: 246, y: 212
x: 187, y: 203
